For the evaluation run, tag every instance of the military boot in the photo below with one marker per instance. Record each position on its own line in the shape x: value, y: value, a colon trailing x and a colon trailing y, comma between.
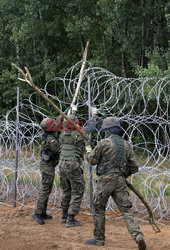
x: 141, y: 244
x: 71, y: 222
x: 45, y: 216
x: 64, y: 216
x: 38, y: 218
x: 94, y: 242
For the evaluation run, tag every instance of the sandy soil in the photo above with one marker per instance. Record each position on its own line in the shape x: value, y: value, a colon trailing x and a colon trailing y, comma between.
x: 19, y: 231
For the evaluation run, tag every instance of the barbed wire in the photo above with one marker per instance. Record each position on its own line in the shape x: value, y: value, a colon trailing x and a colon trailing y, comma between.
x: 142, y: 104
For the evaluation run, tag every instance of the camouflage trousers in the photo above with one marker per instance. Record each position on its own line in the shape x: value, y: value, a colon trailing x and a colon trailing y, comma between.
x: 72, y: 184
x: 47, y: 172
x: 115, y: 186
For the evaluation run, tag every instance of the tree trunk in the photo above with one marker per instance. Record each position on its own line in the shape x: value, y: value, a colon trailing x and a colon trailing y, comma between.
x: 158, y: 24
x: 123, y: 64
x: 143, y: 58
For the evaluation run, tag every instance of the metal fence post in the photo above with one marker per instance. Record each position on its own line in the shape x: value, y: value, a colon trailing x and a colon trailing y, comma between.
x: 16, y: 145
x: 90, y: 166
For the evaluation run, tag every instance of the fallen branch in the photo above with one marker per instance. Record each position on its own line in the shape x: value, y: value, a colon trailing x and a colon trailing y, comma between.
x: 28, y: 79
x: 151, y: 216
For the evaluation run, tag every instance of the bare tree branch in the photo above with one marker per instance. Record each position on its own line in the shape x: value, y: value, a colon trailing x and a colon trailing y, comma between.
x: 28, y: 79
x: 151, y: 216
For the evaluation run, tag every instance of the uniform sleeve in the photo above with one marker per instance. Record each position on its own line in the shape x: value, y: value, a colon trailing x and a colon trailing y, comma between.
x: 53, y: 144
x: 81, y: 144
x: 132, y: 163
x: 90, y: 125
x: 95, y: 156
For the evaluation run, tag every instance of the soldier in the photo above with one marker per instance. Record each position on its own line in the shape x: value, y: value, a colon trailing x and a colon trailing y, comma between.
x: 49, y: 159
x: 72, y: 181
x: 115, y: 161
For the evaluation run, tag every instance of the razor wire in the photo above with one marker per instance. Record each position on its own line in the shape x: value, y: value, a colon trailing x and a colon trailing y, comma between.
x: 141, y: 103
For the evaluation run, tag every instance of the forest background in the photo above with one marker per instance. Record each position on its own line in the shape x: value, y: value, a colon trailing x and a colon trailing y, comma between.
x: 127, y: 37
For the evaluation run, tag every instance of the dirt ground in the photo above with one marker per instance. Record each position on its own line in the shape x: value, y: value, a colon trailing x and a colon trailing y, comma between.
x: 19, y: 231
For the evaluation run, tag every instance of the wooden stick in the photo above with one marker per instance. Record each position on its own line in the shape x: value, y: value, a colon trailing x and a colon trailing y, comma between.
x: 28, y: 80
x: 151, y: 216
x: 80, y: 77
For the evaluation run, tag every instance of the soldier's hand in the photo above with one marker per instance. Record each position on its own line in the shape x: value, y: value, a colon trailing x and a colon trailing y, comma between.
x: 74, y: 108
x: 94, y: 112
x: 89, y: 149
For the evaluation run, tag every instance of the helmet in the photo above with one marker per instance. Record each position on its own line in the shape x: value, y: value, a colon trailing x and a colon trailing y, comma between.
x: 60, y: 118
x: 111, y: 122
x: 43, y: 123
x: 48, y: 125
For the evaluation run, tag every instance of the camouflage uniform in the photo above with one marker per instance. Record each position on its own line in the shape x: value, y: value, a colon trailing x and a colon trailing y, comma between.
x: 49, y: 160
x: 115, y: 161
x: 72, y: 180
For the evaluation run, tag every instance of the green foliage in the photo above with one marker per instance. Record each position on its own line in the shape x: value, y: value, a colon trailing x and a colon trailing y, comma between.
x: 151, y: 71
x: 49, y: 37
x: 158, y: 66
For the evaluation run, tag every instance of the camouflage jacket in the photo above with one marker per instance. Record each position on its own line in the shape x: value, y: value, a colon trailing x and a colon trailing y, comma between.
x: 50, y: 148
x: 106, y: 152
